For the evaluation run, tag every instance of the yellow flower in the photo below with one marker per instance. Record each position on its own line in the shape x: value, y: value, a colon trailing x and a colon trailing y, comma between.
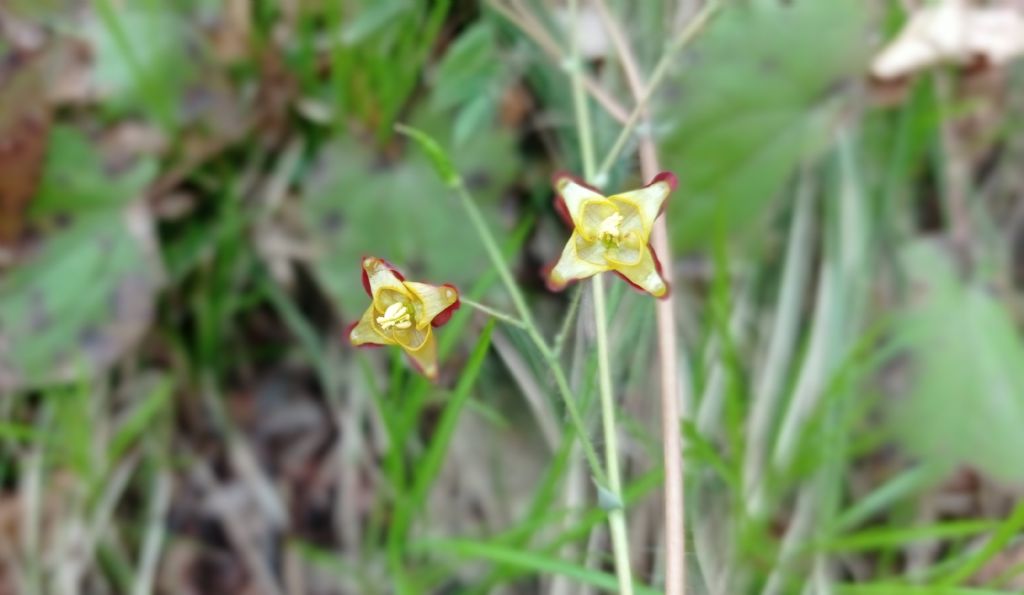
x: 611, y: 233
x: 403, y: 313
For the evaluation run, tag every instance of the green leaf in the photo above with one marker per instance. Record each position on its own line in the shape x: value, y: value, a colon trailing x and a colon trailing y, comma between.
x: 75, y: 180
x: 142, y: 418
x: 474, y: 117
x: 438, y: 158
x: 371, y: 20
x: 140, y: 57
x: 752, y: 106
x: 966, y: 405
x: 80, y: 304
x: 469, y: 69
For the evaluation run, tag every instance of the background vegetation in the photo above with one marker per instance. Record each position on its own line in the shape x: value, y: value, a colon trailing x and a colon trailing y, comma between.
x: 186, y: 189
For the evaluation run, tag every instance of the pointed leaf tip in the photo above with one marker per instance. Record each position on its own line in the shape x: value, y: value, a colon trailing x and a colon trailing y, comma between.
x: 438, y: 158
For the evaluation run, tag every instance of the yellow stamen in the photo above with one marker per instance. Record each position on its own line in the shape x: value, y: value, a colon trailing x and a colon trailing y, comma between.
x: 610, y: 230
x: 396, y: 316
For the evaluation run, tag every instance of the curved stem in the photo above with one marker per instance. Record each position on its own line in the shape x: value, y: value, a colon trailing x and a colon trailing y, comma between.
x: 506, y: 318
x: 550, y: 358
x: 616, y: 516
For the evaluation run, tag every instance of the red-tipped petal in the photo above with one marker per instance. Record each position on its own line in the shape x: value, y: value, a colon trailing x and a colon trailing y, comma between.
x: 564, y: 175
x: 661, y: 272
x: 563, y: 211
x: 446, y: 314
x: 666, y: 176
x: 672, y: 181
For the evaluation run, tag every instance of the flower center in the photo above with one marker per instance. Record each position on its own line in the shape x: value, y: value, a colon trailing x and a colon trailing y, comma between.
x: 610, y: 230
x: 396, y: 316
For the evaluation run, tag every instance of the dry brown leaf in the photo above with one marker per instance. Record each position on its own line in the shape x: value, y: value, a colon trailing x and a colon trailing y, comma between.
x: 24, y: 130
x: 952, y: 32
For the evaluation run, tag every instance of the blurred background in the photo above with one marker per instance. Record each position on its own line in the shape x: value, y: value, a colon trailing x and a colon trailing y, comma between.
x: 187, y: 188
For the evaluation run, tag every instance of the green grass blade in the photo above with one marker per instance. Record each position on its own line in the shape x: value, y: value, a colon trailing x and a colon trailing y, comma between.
x: 526, y: 561
x: 430, y: 466
x: 897, y: 589
x: 1002, y: 536
x: 875, y: 539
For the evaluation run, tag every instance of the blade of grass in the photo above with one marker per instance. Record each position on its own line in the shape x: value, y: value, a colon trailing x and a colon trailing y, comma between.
x: 430, y: 465
x: 888, y: 537
x: 531, y: 562
x: 902, y: 486
x: 898, y: 589
x: 1006, y: 532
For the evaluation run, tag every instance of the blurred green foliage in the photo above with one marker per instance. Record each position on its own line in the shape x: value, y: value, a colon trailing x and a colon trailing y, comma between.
x: 769, y: 104
x: 761, y: 93
x: 355, y: 205
x: 964, y: 404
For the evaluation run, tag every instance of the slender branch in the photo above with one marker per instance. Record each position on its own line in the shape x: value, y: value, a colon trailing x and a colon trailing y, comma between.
x: 506, y: 318
x: 685, y: 36
x: 579, y: 99
x: 536, y: 31
x: 570, y: 315
x: 494, y: 253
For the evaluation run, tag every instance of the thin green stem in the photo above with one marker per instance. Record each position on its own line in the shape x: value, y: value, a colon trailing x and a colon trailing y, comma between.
x: 496, y: 314
x: 616, y: 516
x: 688, y: 34
x: 570, y: 315
x: 550, y: 358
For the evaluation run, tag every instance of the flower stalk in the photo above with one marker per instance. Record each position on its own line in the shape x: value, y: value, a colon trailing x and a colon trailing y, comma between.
x: 616, y: 515
x: 528, y: 324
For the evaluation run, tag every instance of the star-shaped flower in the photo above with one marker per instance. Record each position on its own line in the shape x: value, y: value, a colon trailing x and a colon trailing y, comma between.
x: 403, y: 313
x: 611, y: 233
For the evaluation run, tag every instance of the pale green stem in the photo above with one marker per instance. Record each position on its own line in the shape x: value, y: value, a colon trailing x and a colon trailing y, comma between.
x: 688, y: 34
x: 550, y: 358
x: 616, y: 515
x: 570, y: 315
x: 506, y: 318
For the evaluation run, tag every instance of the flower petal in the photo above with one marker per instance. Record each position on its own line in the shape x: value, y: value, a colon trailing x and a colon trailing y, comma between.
x: 365, y: 332
x: 573, y: 194
x: 378, y: 274
x: 411, y: 339
x: 432, y: 301
x: 647, y: 200
x: 590, y: 251
x: 632, y: 221
x: 645, y: 275
x: 424, y: 359
x: 570, y: 267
